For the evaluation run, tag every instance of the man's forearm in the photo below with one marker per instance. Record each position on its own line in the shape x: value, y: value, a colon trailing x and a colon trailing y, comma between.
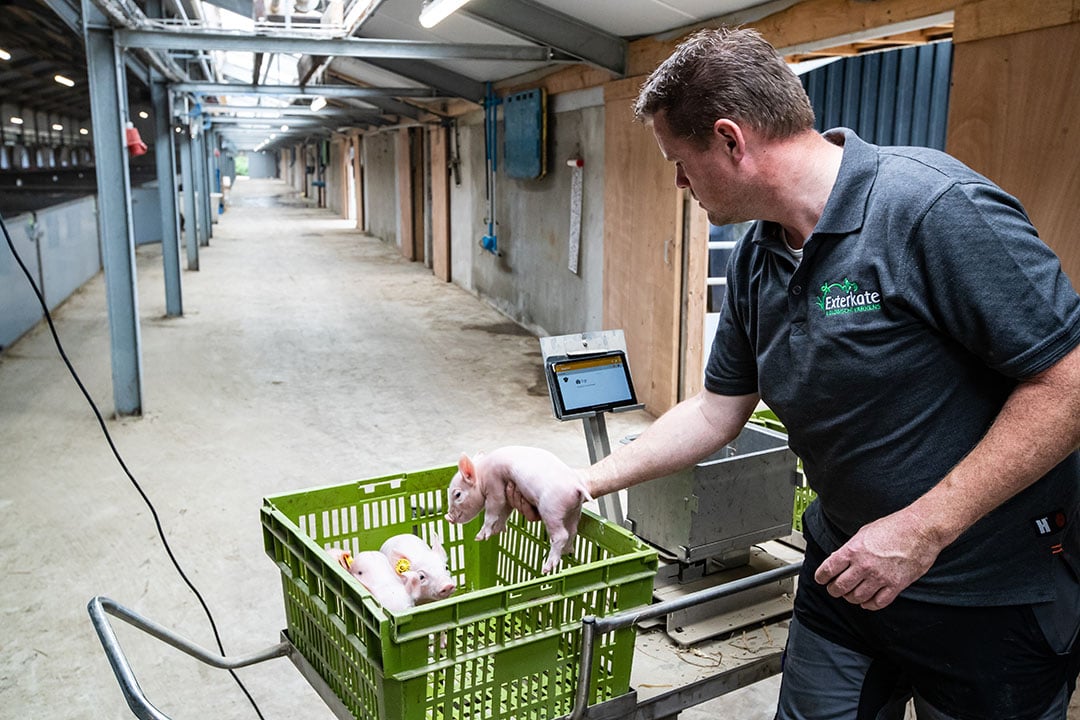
x: 685, y: 434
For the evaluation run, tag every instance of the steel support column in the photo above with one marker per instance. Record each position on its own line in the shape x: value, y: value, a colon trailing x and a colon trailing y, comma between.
x: 165, y: 160
x: 187, y: 178
x: 198, y: 167
x: 165, y: 157
x: 108, y: 92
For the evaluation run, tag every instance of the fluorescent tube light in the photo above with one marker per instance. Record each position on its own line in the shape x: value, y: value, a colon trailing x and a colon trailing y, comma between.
x: 318, y: 104
x: 435, y: 11
x: 64, y: 81
x: 4, y: 54
x: 16, y: 120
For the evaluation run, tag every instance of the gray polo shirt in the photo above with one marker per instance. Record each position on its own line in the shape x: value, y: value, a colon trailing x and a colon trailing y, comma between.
x: 923, y: 296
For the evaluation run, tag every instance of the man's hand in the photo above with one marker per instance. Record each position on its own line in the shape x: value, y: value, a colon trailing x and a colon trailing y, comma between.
x: 882, y: 559
x: 518, y: 502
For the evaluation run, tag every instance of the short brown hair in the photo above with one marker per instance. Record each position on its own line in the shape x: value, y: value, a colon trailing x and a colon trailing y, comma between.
x: 725, y: 73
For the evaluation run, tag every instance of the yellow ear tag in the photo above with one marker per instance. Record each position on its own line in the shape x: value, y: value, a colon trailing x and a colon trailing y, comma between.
x: 402, y: 566
x: 346, y: 559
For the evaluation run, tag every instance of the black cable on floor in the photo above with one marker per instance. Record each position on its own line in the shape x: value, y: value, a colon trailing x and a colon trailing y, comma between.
x: 123, y: 465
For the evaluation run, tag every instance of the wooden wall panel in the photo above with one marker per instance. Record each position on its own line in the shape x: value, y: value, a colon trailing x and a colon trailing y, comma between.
x: 695, y: 349
x: 642, y: 249
x: 440, y: 204
x: 1014, y: 116
x: 403, y: 158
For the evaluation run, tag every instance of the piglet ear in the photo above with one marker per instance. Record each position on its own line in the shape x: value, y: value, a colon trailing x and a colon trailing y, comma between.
x: 437, y: 546
x: 468, y: 470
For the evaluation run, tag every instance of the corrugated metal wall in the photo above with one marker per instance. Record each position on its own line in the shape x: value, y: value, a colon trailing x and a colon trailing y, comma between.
x: 899, y: 97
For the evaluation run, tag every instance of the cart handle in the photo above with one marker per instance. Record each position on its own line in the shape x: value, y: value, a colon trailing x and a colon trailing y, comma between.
x: 136, y: 700
x: 592, y: 627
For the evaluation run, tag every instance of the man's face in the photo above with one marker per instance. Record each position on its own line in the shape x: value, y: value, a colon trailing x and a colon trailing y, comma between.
x: 709, y: 172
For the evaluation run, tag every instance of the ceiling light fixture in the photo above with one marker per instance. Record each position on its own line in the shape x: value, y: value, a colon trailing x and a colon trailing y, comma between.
x: 4, y: 54
x: 57, y: 127
x: 143, y: 114
x: 84, y: 131
x: 434, y: 12
x: 64, y: 81
x: 16, y: 120
x: 284, y: 128
x: 318, y: 104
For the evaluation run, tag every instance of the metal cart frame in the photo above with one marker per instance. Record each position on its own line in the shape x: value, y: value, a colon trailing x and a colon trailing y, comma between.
x: 666, y: 705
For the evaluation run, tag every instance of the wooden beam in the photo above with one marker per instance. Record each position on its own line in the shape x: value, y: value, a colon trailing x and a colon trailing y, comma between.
x: 697, y: 291
x: 440, y: 204
x: 403, y: 159
x: 995, y: 18
x: 806, y: 22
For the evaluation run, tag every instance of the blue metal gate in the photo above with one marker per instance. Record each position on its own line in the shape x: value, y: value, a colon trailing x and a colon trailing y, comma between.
x: 897, y: 97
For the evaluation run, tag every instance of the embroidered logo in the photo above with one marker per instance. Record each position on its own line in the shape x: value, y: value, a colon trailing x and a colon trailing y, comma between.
x: 844, y: 297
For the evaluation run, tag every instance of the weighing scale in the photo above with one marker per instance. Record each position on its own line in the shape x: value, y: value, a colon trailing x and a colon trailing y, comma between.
x: 707, y: 522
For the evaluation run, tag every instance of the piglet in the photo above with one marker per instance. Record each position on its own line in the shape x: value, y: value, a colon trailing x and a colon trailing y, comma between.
x: 393, y: 591
x: 408, y: 553
x: 543, y: 479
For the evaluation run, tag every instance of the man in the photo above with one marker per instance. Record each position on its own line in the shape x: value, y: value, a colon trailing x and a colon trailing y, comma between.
x: 901, y: 316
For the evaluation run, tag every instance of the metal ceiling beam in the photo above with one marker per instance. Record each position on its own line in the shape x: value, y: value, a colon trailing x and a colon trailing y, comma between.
x: 269, y: 122
x: 445, y: 81
x: 545, y: 26
x: 346, y: 47
x: 271, y: 113
x: 326, y: 91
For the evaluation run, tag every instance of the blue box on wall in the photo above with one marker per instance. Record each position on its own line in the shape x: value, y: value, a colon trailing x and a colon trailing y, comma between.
x: 525, y: 122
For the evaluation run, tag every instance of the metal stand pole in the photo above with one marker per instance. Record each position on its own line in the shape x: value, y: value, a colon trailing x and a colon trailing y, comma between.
x: 596, y: 438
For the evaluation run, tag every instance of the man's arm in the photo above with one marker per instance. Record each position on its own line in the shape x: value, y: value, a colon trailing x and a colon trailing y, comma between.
x: 685, y: 434
x: 1038, y: 426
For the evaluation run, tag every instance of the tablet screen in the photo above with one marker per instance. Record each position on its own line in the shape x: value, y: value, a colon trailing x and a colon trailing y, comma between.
x: 590, y: 383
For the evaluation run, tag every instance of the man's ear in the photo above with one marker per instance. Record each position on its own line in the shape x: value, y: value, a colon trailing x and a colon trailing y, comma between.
x: 730, y: 135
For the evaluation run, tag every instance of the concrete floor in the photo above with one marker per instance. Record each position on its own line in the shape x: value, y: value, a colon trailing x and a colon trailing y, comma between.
x: 307, y: 355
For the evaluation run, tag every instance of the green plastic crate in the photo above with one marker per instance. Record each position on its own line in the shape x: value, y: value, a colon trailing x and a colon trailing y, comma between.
x: 803, y: 494
x: 505, y: 645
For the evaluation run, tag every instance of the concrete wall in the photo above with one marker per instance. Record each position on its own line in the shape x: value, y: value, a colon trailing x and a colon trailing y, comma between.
x: 381, y: 186
x: 262, y: 164
x: 146, y: 214
x: 60, y: 247
x: 530, y: 280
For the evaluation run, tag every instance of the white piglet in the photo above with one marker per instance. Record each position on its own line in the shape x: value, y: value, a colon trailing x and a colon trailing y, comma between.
x: 393, y: 591
x: 541, y: 478
x: 408, y: 553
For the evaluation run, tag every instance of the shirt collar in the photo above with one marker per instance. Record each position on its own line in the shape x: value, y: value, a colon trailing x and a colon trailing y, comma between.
x: 846, y: 207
